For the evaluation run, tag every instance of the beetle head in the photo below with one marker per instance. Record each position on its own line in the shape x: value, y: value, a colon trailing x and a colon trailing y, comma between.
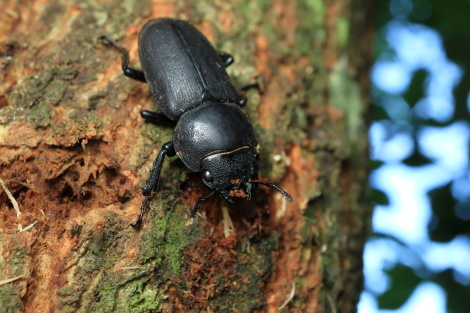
x: 230, y: 171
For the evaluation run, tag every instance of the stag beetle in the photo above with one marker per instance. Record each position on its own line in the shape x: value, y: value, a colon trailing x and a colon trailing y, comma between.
x: 187, y: 79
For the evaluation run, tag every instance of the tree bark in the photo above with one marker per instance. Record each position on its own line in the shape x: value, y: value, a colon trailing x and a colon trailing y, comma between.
x: 75, y: 155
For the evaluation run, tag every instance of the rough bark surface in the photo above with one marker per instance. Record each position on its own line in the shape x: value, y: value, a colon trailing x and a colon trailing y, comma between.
x: 75, y: 154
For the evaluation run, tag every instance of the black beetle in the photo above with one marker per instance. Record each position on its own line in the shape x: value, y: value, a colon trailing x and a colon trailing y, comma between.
x: 188, y: 81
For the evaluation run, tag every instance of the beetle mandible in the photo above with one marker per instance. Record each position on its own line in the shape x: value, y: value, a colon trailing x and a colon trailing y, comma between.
x: 187, y: 79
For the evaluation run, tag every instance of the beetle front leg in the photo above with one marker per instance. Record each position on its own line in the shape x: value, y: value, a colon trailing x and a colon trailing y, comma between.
x: 227, y: 59
x: 151, y: 185
x: 242, y: 97
x: 129, y: 72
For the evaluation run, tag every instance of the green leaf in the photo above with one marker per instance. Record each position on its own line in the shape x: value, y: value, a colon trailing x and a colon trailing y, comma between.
x: 379, y: 197
x: 404, y: 282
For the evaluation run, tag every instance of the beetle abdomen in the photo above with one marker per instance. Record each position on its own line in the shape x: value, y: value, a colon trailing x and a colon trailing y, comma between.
x: 181, y: 67
x: 210, y: 129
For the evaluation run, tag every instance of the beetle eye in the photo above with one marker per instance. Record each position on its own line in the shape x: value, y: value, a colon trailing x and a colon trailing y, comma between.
x: 207, y: 176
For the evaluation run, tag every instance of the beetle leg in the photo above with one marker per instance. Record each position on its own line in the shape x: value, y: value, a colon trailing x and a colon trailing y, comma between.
x: 194, y: 209
x: 227, y: 59
x: 242, y: 97
x: 167, y: 150
x: 151, y: 185
x: 155, y: 117
x: 250, y: 86
x: 129, y: 72
x: 242, y: 100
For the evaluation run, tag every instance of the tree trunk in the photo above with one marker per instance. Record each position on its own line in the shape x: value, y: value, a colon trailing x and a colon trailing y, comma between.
x: 75, y: 155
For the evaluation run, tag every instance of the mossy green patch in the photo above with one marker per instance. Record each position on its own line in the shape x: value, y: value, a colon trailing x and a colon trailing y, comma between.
x: 342, y: 31
x: 37, y: 94
x: 318, y: 8
x: 134, y: 294
x: 311, y: 33
x: 99, y: 288
x: 144, y: 298
x: 169, y: 237
x: 345, y: 95
x: 14, y: 264
x: 309, y: 220
x: 10, y: 300
x: 126, y: 291
x: 69, y: 299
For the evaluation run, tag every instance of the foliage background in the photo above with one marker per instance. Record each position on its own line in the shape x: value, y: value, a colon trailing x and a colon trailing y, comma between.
x: 419, y: 258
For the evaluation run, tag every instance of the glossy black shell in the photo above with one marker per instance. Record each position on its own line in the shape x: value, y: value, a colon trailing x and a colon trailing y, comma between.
x: 210, y: 129
x: 181, y: 67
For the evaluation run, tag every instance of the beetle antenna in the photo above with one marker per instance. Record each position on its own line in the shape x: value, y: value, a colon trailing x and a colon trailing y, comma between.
x: 282, y: 191
x: 129, y: 72
x: 125, y: 54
